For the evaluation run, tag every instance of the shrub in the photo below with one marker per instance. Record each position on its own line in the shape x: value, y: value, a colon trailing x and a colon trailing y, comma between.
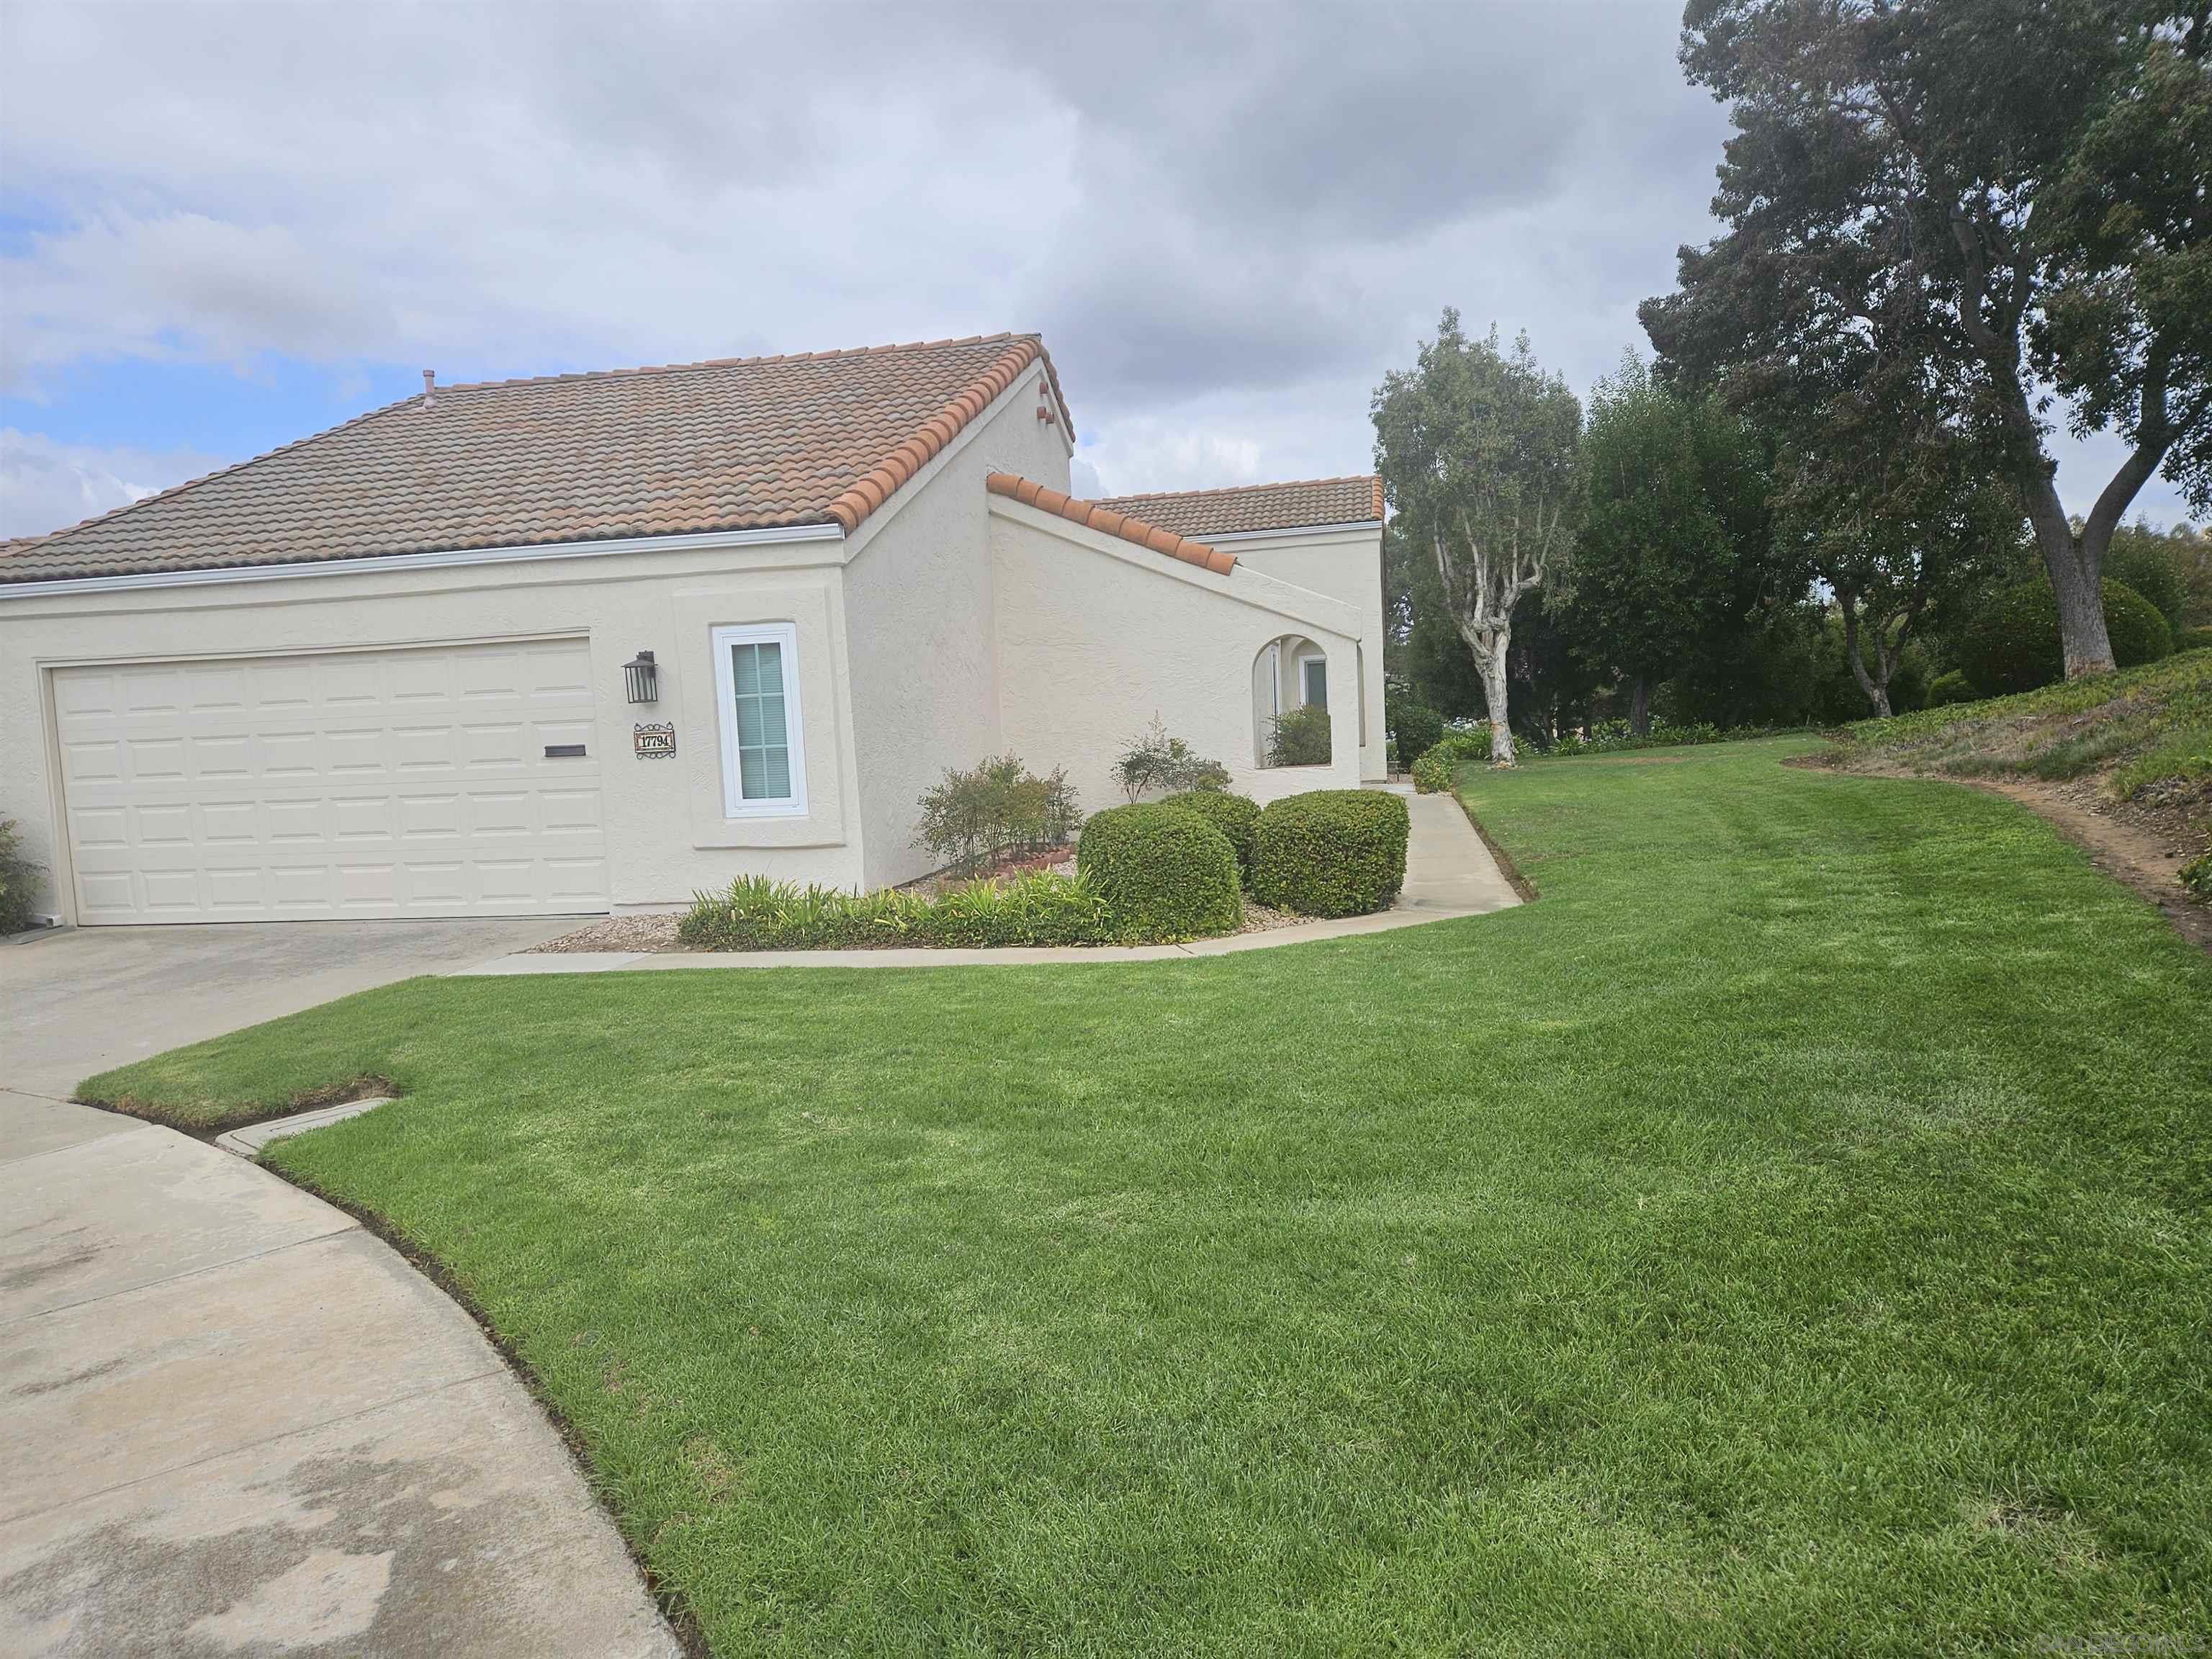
x: 1417, y: 727
x: 974, y: 818
x: 757, y: 914
x: 1164, y: 873
x: 2138, y: 633
x: 1436, y: 772
x: 1154, y: 760
x: 1333, y: 853
x: 2193, y: 639
x: 2196, y: 877
x: 1300, y: 737
x: 2013, y: 645
x: 2145, y: 562
x: 19, y: 886
x: 1235, y: 815
x: 1948, y: 687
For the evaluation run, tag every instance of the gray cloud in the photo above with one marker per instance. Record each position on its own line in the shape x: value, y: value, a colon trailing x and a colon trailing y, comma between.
x: 1228, y: 219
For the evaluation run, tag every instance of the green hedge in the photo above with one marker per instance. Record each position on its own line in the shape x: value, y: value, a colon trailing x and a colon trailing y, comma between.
x: 1164, y: 871
x: 2193, y: 639
x: 1235, y: 815
x: 1332, y: 852
x: 1948, y: 687
x: 1437, y: 771
x: 2013, y: 645
x: 1417, y: 728
x: 756, y: 913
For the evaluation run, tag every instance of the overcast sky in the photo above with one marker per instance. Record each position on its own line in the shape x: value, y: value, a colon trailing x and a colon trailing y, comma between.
x: 221, y: 229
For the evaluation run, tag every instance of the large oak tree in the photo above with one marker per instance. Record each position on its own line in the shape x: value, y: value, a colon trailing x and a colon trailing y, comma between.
x: 2017, y: 189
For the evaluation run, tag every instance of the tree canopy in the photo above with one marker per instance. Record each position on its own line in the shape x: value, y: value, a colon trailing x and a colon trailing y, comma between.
x: 2010, y: 193
x: 1664, y: 526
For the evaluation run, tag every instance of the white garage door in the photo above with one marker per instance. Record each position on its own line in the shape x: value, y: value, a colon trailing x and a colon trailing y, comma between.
x: 351, y: 784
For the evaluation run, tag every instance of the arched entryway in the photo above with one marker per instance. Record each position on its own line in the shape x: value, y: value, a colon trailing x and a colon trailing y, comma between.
x: 1290, y: 671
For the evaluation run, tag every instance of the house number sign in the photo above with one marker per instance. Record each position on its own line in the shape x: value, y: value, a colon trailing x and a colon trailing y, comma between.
x: 653, y: 742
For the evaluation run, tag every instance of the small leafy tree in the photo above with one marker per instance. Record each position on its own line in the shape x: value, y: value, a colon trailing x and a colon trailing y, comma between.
x: 1477, y: 452
x: 18, y: 881
x: 1300, y: 737
x: 1154, y: 760
x: 972, y: 819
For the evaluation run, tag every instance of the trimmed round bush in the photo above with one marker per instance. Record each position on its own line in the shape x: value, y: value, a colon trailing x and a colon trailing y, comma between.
x: 2014, y: 645
x: 2139, y: 634
x: 1235, y: 815
x: 1948, y: 687
x: 1417, y: 727
x: 1332, y: 852
x: 1164, y: 871
x: 1438, y: 770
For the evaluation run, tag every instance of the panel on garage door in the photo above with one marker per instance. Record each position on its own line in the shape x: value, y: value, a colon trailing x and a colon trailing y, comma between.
x: 350, y: 784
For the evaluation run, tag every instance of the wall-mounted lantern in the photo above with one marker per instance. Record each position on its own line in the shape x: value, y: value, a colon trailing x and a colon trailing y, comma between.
x: 641, y: 679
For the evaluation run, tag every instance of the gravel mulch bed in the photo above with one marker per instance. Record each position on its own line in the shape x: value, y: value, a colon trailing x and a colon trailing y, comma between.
x: 618, y: 933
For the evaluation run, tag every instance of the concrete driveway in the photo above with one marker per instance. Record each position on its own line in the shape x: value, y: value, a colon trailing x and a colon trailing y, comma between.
x: 82, y: 1001
x: 231, y: 1421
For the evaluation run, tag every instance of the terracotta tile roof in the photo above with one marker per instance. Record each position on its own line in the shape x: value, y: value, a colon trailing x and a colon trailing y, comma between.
x: 1099, y: 517
x: 737, y: 444
x: 1355, y: 499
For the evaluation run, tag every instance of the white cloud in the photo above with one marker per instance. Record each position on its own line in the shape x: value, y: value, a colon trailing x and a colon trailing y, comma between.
x: 45, y: 485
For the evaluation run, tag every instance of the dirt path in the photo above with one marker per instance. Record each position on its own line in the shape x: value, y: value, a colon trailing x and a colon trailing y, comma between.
x: 2122, y: 850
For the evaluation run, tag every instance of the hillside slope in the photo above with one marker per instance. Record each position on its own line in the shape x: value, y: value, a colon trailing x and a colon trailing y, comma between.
x: 2122, y: 762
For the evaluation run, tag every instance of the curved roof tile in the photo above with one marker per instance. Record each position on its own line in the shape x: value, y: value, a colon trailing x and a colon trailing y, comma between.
x: 1295, y: 506
x: 1106, y: 521
x: 731, y: 444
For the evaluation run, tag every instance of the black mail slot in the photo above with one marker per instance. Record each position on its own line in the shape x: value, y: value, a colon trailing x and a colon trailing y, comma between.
x: 563, y: 750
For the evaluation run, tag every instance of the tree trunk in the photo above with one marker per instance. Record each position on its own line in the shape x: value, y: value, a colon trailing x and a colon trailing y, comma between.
x: 1875, y: 685
x: 1492, y: 665
x: 2076, y: 568
x: 2074, y: 563
x: 1639, y: 705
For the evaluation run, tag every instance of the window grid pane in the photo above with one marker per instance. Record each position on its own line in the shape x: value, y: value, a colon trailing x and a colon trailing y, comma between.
x: 763, y: 740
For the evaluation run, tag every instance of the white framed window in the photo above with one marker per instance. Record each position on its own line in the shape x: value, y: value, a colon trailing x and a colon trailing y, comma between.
x: 756, y: 701
x: 1313, y: 681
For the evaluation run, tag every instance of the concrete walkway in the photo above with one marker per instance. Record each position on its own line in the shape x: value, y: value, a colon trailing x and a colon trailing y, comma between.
x: 1449, y: 873
x: 231, y: 1421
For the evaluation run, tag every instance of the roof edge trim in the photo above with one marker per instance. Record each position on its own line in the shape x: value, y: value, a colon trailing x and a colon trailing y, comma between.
x: 445, y: 559
x: 1108, y: 522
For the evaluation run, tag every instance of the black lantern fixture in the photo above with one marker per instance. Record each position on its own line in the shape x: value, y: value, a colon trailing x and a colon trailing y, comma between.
x: 641, y: 679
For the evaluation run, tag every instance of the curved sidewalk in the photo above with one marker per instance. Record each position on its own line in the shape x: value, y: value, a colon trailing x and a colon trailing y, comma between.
x: 231, y: 1421
x: 1449, y: 873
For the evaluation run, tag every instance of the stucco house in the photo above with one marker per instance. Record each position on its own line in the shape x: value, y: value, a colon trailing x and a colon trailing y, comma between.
x: 598, y: 642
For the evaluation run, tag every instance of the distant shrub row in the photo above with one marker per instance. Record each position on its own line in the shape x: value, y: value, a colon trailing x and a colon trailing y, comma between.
x: 757, y: 914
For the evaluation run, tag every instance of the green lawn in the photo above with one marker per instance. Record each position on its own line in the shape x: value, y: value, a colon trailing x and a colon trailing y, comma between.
x: 1787, y: 1236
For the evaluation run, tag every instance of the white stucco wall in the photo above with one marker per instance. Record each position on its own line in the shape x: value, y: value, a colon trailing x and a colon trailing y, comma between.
x: 666, y: 835
x: 918, y: 605
x: 1347, y: 565
x: 1096, y: 636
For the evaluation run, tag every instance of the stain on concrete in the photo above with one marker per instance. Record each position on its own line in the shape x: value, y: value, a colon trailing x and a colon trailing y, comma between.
x: 58, y: 1258
x: 310, y: 1578
x: 27, y: 1390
